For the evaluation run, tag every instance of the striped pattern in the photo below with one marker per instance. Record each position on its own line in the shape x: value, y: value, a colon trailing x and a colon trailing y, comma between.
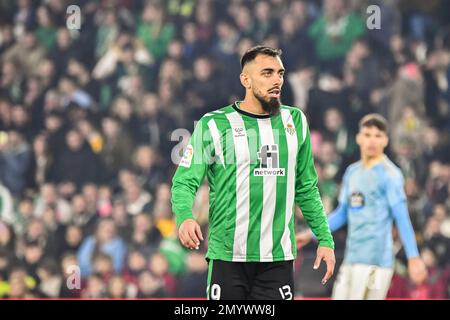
x: 216, y: 139
x: 251, y: 205
x: 242, y: 157
x: 269, y: 196
x: 293, y: 149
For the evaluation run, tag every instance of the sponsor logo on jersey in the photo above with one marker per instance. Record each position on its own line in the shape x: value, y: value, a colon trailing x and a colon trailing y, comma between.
x: 187, y: 156
x: 356, y: 200
x: 268, y: 157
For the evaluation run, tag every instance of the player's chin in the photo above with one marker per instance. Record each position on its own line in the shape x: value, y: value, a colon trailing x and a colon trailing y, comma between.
x: 372, y: 153
x: 274, y: 102
x: 274, y: 106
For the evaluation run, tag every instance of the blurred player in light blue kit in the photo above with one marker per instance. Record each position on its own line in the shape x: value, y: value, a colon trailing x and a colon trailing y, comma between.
x: 371, y: 198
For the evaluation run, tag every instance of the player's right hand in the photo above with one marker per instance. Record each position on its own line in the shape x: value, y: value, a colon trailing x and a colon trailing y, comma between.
x: 303, y: 238
x: 417, y: 270
x: 190, y: 234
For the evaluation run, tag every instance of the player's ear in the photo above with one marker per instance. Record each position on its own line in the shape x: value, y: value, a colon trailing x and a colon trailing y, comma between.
x: 386, y: 141
x: 245, y: 80
x: 358, y: 138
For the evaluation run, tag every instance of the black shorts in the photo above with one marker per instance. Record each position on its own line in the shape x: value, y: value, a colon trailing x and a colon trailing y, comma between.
x: 250, y: 280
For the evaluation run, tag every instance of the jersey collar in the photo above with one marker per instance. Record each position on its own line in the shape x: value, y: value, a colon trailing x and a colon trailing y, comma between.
x: 249, y: 114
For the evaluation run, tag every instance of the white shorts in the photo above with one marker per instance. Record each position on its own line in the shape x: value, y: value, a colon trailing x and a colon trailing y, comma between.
x: 359, y: 281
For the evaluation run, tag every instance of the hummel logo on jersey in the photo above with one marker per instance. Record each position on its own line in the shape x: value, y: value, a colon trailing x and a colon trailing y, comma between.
x: 239, y: 132
x: 268, y: 156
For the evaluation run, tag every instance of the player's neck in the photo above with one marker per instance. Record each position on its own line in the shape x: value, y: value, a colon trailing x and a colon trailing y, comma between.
x: 252, y: 106
x: 369, y: 162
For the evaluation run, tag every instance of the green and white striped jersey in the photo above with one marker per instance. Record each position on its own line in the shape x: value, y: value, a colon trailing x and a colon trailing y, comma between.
x: 258, y: 167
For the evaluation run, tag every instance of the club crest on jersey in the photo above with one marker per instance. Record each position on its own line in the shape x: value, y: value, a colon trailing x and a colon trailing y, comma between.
x: 268, y: 157
x: 187, y: 156
x: 290, y: 129
x: 356, y: 200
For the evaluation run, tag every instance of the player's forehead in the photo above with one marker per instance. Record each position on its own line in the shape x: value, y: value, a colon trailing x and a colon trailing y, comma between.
x: 264, y: 61
x: 371, y: 130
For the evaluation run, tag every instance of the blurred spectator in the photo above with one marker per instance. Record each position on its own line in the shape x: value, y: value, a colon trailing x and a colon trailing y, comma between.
x: 7, y: 238
x: 48, y: 196
x: 77, y: 163
x: 6, y: 205
x: 12, y: 84
x: 27, y: 53
x: 41, y: 162
x: 46, y: 31
x: 102, y: 265
x: 118, y: 288
x: 64, y: 50
x: 154, y: 30
x: 159, y: 266
x: 337, y: 132
x: 196, y: 274
x: 72, y: 93
x: 136, y: 263
x: 32, y: 257
x: 148, y: 171
x: 20, y: 284
x: 151, y: 286
x: 136, y: 198
x: 105, y: 240
x: 117, y: 146
x: 70, y: 241
x: 202, y: 91
x: 145, y: 236
x: 95, y: 288
x: 50, y: 279
x: 15, y: 158
x: 334, y: 32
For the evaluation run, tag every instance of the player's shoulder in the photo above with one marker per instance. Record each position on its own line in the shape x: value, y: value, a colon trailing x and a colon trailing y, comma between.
x: 298, y: 116
x: 390, y: 169
x: 352, y: 168
x: 295, y: 111
x: 218, y: 113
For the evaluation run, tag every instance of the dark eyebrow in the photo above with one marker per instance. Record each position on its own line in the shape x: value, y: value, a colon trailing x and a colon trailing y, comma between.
x: 271, y: 70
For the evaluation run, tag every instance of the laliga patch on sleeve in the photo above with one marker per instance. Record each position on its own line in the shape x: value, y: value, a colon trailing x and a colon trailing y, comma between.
x: 187, y: 157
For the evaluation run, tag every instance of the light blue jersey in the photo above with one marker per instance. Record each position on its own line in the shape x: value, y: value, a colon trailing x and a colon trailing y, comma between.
x: 370, y: 200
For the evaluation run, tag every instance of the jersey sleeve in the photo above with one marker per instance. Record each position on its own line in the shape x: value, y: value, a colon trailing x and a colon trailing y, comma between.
x: 395, y: 191
x: 190, y: 173
x: 343, y: 193
x: 396, y: 197
x: 307, y: 194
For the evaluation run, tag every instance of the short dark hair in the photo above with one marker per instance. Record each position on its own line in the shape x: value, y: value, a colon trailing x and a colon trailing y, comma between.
x: 374, y: 120
x: 251, y: 53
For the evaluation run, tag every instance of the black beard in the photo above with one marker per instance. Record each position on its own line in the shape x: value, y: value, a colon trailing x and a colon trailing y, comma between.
x: 272, y: 106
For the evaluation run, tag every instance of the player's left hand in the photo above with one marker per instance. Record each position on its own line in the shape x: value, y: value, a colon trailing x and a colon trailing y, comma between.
x: 417, y: 270
x: 327, y: 254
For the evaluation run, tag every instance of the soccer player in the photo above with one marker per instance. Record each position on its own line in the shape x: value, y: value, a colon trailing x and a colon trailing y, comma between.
x: 257, y: 157
x: 371, y: 198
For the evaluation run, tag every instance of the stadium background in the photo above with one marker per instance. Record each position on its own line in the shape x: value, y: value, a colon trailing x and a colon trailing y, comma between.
x: 90, y: 120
